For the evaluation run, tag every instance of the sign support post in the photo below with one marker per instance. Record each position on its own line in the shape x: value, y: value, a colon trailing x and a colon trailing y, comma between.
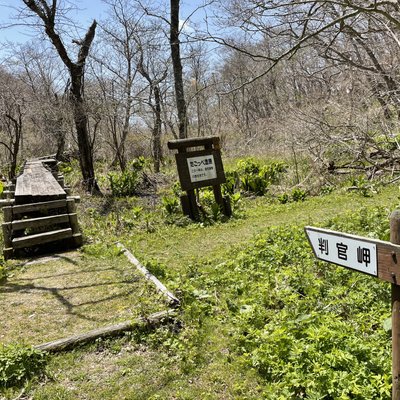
x: 395, y: 239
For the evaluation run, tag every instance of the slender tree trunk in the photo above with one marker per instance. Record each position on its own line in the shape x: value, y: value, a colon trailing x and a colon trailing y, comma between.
x: 16, y: 128
x: 177, y: 67
x: 81, y: 126
x: 60, y: 132
x: 157, y: 148
x: 157, y: 110
x: 14, y: 156
x: 120, y: 156
x: 120, y: 147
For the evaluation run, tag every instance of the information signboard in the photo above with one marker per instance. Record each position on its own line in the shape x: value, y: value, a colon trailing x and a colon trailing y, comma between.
x: 202, y: 168
x: 371, y: 256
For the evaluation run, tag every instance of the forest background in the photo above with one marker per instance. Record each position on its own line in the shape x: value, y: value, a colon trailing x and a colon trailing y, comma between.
x: 301, y: 78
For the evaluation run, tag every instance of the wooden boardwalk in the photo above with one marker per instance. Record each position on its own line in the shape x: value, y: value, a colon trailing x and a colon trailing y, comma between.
x: 38, y: 211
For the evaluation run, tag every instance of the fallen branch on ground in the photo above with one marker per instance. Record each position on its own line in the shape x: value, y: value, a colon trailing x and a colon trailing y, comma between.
x: 112, y: 330
x: 170, y: 296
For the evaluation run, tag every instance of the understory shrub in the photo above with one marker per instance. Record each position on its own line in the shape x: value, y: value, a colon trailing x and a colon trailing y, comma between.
x: 125, y: 183
x: 310, y: 329
x: 297, y: 194
x: 254, y: 178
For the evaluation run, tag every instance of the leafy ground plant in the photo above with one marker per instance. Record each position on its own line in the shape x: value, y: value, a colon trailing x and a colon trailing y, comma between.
x: 19, y: 363
x: 125, y: 183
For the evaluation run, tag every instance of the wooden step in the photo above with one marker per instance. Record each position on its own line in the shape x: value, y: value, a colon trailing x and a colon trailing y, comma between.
x: 77, y: 199
x: 41, y: 238
x: 38, y: 222
x: 45, y: 205
x: 6, y: 202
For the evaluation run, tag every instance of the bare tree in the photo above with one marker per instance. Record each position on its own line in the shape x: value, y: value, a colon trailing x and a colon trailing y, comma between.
x: 47, y: 13
x: 49, y: 110
x: 295, y: 25
x: 12, y: 109
x: 155, y: 100
x: 117, y: 58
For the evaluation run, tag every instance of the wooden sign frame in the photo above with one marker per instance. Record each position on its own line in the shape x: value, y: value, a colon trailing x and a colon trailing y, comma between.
x: 206, y: 151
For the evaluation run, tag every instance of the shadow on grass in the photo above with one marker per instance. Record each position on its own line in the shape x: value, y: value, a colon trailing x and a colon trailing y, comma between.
x: 74, y: 273
x: 69, y: 307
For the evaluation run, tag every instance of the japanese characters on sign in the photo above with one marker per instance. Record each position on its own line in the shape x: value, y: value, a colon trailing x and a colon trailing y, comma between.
x: 346, y: 250
x: 202, y: 168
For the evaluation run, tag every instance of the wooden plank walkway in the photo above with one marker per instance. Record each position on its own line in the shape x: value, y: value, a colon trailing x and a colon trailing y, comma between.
x: 40, y: 211
x: 36, y: 184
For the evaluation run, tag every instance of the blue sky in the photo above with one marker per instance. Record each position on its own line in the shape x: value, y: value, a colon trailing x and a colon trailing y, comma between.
x: 88, y: 10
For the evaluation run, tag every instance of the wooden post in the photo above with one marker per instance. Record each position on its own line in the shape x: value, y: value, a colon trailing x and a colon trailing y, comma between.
x: 8, y: 214
x: 71, y: 207
x: 194, y: 210
x: 7, y: 234
x: 395, y: 238
x: 185, y: 204
x: 73, y: 222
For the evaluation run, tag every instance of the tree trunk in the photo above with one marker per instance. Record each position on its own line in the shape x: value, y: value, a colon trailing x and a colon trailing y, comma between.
x: 177, y: 67
x: 157, y: 149
x: 81, y: 126
x: 15, y: 128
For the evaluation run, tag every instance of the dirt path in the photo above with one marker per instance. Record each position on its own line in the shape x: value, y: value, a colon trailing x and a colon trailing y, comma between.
x: 54, y: 298
x: 181, y: 246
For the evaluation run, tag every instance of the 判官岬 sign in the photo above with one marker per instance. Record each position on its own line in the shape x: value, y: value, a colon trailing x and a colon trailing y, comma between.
x: 346, y: 250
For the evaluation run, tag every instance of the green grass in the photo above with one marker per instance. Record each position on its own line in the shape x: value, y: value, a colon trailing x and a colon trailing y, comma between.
x: 47, y: 301
x: 177, y: 246
x: 228, y: 283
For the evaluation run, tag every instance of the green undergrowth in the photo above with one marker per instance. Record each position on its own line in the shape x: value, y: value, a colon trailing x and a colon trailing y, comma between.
x: 18, y: 363
x: 260, y: 318
x: 308, y: 329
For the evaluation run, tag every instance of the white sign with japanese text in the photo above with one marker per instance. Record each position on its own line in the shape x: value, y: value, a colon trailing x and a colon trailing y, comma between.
x: 346, y: 250
x: 202, y: 168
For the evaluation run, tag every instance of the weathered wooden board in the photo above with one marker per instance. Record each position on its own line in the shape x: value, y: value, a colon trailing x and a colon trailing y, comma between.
x: 183, y: 144
x: 47, y: 205
x: 41, y: 238
x: 39, y: 222
x: 37, y: 182
x: 113, y: 330
x: 143, y: 270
